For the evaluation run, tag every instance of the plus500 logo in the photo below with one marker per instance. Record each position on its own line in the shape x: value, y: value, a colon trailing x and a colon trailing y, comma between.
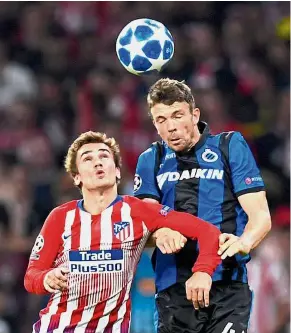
x: 96, y: 261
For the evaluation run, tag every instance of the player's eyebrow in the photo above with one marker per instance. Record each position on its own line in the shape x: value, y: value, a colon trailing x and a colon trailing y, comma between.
x: 177, y: 111
x: 91, y: 151
x: 103, y: 149
x: 86, y: 152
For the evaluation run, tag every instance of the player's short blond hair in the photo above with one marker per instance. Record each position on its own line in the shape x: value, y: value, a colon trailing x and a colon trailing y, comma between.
x: 169, y: 91
x: 90, y: 137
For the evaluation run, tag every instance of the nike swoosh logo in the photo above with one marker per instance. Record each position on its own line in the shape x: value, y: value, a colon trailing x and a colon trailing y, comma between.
x: 66, y: 236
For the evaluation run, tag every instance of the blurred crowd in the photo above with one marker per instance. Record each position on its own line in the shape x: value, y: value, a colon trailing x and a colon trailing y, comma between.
x: 60, y: 76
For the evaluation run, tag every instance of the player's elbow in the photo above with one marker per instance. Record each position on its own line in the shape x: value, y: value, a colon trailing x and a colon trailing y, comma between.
x: 27, y: 283
x: 265, y: 217
x: 268, y: 224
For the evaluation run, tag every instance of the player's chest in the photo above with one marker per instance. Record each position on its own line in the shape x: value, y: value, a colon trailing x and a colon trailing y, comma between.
x: 97, y: 233
x: 101, y: 244
x: 207, y: 167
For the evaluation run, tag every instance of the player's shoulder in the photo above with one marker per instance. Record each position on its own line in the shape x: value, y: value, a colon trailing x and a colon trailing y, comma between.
x: 228, y: 135
x: 136, y: 205
x: 132, y: 201
x: 225, y: 139
x: 64, y: 208
x: 151, y: 151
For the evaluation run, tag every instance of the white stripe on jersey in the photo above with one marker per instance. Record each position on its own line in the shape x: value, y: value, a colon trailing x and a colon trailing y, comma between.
x: 116, y: 328
x: 85, y: 231
x: 45, y: 319
x: 145, y: 229
x: 70, y: 216
x: 106, y: 229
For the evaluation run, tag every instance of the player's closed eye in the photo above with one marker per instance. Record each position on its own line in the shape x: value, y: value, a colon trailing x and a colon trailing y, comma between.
x: 178, y: 115
x: 161, y: 120
x: 104, y: 155
x: 88, y: 158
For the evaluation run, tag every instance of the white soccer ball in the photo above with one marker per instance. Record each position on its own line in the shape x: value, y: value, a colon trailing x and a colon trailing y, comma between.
x: 144, y: 45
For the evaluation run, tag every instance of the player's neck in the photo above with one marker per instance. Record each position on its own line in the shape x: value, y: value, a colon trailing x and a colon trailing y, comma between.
x: 95, y: 202
x: 195, y: 139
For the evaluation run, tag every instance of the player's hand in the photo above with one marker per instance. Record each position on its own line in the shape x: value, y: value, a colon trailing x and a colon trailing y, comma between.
x: 169, y: 241
x: 198, y: 288
x: 56, y: 279
x: 229, y: 245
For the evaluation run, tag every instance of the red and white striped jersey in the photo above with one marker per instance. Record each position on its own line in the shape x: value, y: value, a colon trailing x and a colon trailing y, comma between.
x: 101, y: 253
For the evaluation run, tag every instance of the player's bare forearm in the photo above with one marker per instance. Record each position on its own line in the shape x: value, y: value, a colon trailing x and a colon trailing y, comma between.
x: 259, y: 218
x: 257, y: 228
x: 259, y: 224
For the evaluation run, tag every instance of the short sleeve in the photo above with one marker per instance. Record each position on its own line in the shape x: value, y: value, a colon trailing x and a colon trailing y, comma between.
x: 246, y: 176
x: 145, y: 185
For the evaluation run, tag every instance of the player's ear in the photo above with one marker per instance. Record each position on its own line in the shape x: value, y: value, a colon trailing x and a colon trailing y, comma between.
x: 196, y: 115
x: 77, y: 180
x: 118, y: 173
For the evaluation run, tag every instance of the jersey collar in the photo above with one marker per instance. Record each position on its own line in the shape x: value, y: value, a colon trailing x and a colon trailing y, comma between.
x: 81, y: 203
x: 204, y: 130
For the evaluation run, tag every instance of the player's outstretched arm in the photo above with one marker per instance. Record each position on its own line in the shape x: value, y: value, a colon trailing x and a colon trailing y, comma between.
x: 40, y: 276
x: 167, y: 240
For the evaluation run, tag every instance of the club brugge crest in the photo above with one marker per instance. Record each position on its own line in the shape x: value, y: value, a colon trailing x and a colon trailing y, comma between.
x: 209, y: 155
x: 122, y: 230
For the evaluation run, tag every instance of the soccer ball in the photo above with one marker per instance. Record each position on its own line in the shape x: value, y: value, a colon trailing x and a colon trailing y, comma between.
x: 38, y: 245
x: 144, y: 45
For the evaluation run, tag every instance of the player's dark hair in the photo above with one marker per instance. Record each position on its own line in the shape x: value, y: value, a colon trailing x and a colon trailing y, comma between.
x: 169, y: 91
x: 90, y: 137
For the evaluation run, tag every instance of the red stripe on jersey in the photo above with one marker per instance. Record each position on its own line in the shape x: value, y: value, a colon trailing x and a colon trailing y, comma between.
x: 98, y: 313
x: 126, y: 321
x: 115, y: 218
x: 76, y: 230
x: 114, y: 314
x: 62, y: 307
x: 95, y: 232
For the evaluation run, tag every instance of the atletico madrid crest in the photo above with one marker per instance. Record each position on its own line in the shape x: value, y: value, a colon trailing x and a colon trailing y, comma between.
x: 122, y: 230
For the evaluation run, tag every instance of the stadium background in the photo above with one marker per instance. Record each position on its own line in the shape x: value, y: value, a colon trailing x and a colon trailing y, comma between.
x: 59, y: 76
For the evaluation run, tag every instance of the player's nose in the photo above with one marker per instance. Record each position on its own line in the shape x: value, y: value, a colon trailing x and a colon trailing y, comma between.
x: 98, y: 163
x: 171, y: 125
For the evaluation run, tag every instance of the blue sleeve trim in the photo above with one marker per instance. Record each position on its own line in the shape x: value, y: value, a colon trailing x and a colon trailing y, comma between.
x: 149, y: 196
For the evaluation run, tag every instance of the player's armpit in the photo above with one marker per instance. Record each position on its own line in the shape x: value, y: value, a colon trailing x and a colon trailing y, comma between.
x: 151, y: 242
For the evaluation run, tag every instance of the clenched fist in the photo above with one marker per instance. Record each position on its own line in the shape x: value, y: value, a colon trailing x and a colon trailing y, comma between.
x: 198, y: 288
x: 56, y: 279
x: 169, y: 241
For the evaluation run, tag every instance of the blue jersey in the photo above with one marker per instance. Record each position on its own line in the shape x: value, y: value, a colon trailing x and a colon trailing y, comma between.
x: 205, y: 181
